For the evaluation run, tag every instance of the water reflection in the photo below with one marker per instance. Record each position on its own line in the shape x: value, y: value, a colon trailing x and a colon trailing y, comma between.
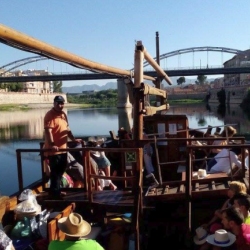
x: 221, y: 110
x: 24, y: 129
x: 18, y: 125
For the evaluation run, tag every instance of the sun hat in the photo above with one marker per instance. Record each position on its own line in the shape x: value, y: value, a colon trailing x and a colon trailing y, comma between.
x: 59, y: 98
x: 201, y: 236
x: 221, y: 238
x: 74, y: 225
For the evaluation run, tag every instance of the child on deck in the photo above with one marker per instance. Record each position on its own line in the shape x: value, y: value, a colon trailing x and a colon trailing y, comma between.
x: 102, y: 162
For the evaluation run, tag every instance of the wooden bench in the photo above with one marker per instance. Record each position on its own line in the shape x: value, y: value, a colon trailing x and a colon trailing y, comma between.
x: 54, y: 233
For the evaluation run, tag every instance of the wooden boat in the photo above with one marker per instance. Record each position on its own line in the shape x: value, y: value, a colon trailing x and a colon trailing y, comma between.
x: 168, y: 213
x: 181, y: 201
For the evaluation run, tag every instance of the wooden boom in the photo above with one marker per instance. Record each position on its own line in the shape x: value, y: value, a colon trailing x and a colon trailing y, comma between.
x: 21, y: 41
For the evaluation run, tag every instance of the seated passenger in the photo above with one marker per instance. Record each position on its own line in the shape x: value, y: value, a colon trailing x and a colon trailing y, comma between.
x: 233, y: 221
x: 147, y: 156
x: 242, y: 201
x: 76, y: 230
x: 235, y: 188
x: 75, y: 169
x: 224, y: 161
x: 123, y: 134
x: 228, y: 132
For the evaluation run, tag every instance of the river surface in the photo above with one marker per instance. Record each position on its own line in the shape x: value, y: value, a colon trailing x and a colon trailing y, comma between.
x: 24, y: 129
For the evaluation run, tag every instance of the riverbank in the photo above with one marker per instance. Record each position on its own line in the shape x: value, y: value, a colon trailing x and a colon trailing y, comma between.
x: 15, y: 107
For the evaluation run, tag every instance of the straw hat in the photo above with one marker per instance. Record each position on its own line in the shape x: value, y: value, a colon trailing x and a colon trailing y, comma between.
x: 74, y: 225
x: 201, y: 236
x: 221, y: 238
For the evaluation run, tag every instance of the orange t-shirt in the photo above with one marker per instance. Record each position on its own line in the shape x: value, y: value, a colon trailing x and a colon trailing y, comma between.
x: 58, y: 122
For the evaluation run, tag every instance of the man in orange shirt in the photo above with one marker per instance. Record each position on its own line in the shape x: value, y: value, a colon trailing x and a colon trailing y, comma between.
x: 57, y: 132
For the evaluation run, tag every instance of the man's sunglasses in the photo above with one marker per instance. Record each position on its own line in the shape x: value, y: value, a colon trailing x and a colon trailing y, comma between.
x: 60, y: 103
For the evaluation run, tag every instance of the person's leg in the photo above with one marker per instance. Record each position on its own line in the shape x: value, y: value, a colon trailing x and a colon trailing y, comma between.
x: 58, y: 165
x: 107, y: 170
x: 210, y: 164
x: 148, y: 163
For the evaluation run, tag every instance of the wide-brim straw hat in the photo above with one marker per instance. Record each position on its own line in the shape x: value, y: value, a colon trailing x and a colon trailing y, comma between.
x: 74, y: 225
x: 29, y: 214
x: 221, y: 238
x: 201, y: 236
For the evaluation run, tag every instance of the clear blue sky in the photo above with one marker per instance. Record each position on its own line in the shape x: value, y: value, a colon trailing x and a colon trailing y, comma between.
x: 105, y: 31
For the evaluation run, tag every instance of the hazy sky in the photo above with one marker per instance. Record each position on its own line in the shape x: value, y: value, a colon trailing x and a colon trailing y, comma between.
x: 105, y: 31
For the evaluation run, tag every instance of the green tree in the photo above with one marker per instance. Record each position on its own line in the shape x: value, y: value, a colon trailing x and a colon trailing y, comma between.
x: 181, y: 80
x: 12, y: 86
x: 201, y: 79
x: 57, y: 86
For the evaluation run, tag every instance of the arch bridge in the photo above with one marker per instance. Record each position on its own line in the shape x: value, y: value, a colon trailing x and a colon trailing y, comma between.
x: 89, y: 74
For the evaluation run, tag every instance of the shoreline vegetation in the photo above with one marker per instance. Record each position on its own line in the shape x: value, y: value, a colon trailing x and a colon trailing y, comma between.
x: 23, y: 107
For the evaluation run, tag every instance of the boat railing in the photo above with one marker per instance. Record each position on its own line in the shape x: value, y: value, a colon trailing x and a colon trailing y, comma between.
x: 127, y: 158
x: 186, y: 152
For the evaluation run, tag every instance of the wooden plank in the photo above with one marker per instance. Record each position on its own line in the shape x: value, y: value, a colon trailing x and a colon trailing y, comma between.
x: 4, y: 201
x: 166, y: 190
x: 53, y: 231
x: 204, y: 187
x: 182, y: 188
x: 213, y: 185
x: 173, y: 190
x: 220, y: 186
x: 197, y: 185
x: 159, y: 191
x: 246, y: 182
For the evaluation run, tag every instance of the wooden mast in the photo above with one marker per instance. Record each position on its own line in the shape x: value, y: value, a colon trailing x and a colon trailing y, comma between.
x: 140, y: 54
x: 21, y: 41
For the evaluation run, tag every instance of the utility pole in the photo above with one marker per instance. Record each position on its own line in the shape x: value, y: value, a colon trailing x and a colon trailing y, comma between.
x: 158, y: 80
x: 157, y: 48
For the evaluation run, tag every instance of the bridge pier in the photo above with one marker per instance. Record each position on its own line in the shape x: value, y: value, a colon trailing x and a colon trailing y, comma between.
x: 123, y: 97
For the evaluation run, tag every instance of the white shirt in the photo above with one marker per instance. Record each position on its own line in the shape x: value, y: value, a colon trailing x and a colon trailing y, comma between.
x: 246, y: 162
x: 223, y: 161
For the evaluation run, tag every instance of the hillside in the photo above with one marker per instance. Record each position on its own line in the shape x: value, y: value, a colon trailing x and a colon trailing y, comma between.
x: 80, y: 89
x: 113, y: 85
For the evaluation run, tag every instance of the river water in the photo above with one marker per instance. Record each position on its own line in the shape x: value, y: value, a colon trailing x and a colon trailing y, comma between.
x: 24, y: 129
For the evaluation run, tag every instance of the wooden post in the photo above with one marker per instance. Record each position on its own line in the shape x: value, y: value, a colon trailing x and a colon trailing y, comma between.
x: 158, y: 80
x: 19, y: 170
x: 138, y: 77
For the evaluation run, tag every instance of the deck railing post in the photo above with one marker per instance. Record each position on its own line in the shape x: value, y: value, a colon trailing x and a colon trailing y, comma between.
x: 19, y: 170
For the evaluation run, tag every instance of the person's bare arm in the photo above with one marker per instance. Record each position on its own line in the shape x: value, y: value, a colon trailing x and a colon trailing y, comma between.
x: 50, y: 139
x: 217, y: 215
x: 72, y: 138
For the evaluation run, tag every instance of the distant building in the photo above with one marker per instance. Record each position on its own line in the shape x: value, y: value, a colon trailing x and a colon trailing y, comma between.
x: 36, y: 87
x: 89, y: 92
x: 217, y: 83
x: 240, y: 60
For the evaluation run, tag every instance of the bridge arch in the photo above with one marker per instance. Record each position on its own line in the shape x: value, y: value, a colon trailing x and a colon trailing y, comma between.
x: 32, y: 59
x: 198, y: 49
x: 22, y: 62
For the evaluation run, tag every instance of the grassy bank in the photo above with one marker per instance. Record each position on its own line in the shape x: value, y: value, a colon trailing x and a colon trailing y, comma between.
x: 23, y: 107
x: 13, y: 107
x: 186, y: 101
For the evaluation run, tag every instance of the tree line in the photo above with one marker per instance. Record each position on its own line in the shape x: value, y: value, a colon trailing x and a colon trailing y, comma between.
x: 201, y: 79
x: 19, y: 86
x: 106, y: 98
